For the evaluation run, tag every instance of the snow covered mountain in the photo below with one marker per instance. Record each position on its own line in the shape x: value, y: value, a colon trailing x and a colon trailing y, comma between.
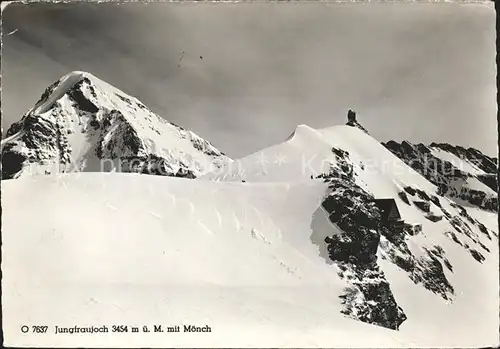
x: 81, y: 123
x: 436, y: 259
x: 308, y: 243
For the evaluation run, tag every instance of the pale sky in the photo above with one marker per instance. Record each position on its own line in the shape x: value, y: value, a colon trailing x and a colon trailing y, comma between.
x: 250, y: 73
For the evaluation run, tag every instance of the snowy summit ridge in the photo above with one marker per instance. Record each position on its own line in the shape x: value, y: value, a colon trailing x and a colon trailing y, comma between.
x: 82, y: 123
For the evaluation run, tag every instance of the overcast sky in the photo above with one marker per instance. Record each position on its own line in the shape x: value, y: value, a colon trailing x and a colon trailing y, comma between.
x: 252, y: 72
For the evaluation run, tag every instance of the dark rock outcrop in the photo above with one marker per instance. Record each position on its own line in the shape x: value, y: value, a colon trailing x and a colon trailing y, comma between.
x: 402, y: 195
x: 12, y: 162
x: 423, y: 205
x: 490, y: 179
x: 433, y: 217
x: 368, y: 297
x: 426, y: 270
x: 363, y: 232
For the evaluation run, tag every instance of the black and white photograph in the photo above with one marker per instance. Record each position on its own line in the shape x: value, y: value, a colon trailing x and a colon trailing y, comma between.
x: 299, y: 174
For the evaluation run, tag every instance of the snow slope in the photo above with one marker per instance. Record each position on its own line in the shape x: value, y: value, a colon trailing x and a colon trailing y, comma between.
x: 140, y: 250
x: 82, y: 123
x: 445, y: 279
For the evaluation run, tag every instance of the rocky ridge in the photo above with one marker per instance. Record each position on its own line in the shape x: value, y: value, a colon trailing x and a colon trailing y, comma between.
x: 454, y: 179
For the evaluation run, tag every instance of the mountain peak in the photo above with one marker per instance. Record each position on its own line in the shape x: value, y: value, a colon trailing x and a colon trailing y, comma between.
x: 83, y: 122
x: 58, y: 89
